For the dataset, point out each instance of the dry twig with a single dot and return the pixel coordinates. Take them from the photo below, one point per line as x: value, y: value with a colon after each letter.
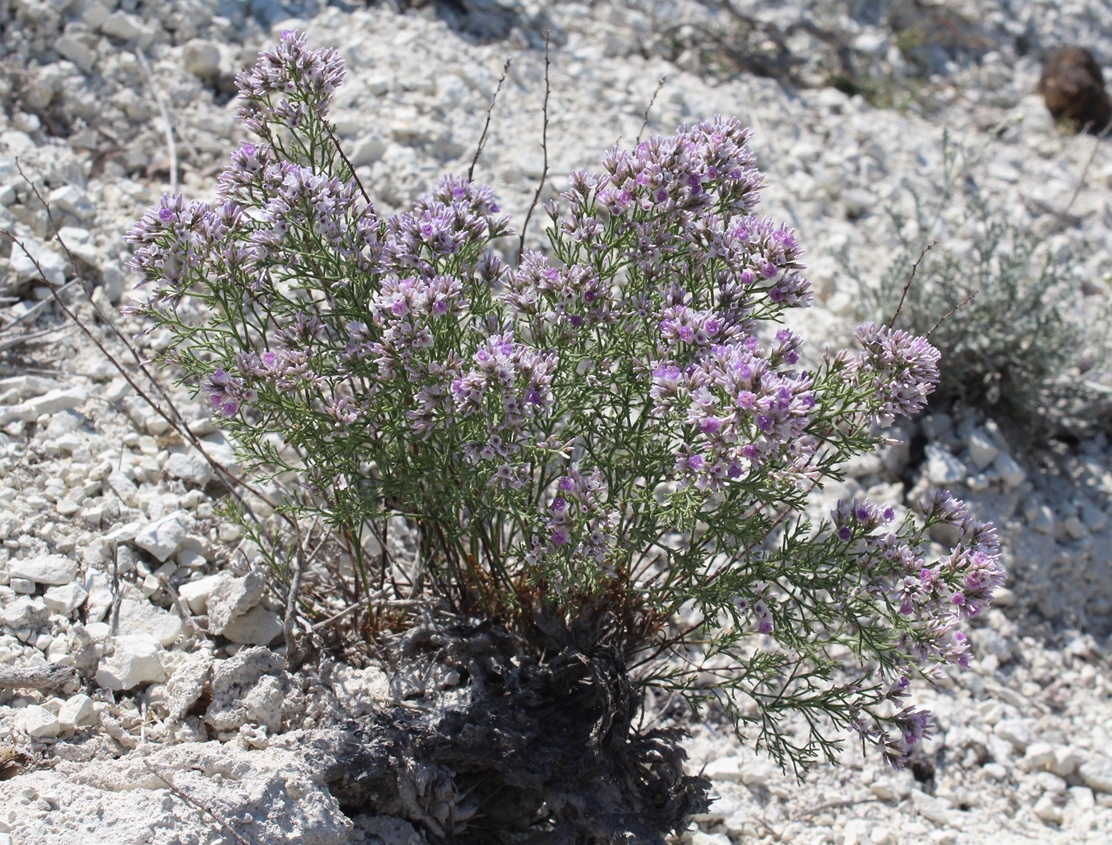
x: 907, y: 284
x: 171, y: 147
x: 544, y: 150
x: 648, y: 108
x: 486, y: 125
x: 193, y: 802
x: 50, y: 676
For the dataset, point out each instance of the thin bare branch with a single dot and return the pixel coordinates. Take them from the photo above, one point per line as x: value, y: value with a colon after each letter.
x: 952, y: 311
x: 351, y: 168
x: 168, y: 127
x: 544, y: 149
x: 1085, y: 170
x: 486, y: 125
x: 648, y: 108
x: 193, y: 802
x: 907, y: 284
x: 34, y: 310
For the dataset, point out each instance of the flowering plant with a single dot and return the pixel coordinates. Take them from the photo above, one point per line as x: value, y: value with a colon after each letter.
x: 611, y: 445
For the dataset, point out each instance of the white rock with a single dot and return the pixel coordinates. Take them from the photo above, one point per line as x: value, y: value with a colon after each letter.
x: 46, y: 569
x: 135, y: 659
x: 23, y: 585
x: 123, y: 26
x: 165, y: 536
x: 65, y: 599
x: 982, y: 451
x: 1082, y: 797
x: 943, y: 467
x: 189, y: 466
x: 1047, y: 809
x: 231, y: 598
x: 1097, y: 774
x: 257, y: 626
x: 1040, y: 755
x: 24, y: 612
x: 51, y: 265
x: 724, y: 769
x: 202, y: 59
x: 187, y: 683
x: 76, y: 51
x: 1015, y: 731
x: 100, y: 597
x: 272, y: 796
x: 1039, y: 517
x: 77, y: 710
x: 38, y: 722
x: 196, y: 593
x: 1011, y: 473
x: 933, y: 808
x: 366, y: 150
x: 1066, y: 761
x: 123, y: 487
x: 72, y: 200
x: 141, y: 617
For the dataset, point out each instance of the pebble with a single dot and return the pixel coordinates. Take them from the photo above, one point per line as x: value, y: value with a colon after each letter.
x: 943, y: 467
x: 189, y: 466
x: 25, y: 613
x: 258, y: 626
x: 142, y: 617
x: 165, y: 536
x: 982, y: 450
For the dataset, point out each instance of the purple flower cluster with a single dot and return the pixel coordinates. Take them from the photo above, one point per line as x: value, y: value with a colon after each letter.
x: 933, y: 599
x: 579, y: 526
x: 899, y: 369
x: 510, y: 384
x: 742, y: 413
x: 557, y: 301
x: 758, y: 606
x: 227, y: 393
x: 172, y: 242
x: 288, y: 84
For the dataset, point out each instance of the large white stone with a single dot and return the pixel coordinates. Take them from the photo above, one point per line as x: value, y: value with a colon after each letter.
x: 25, y: 612
x: 72, y: 200
x: 135, y: 659
x: 45, y: 569
x: 189, y: 466
x: 165, y: 536
x: 982, y: 451
x: 32, y: 261
x: 202, y: 59
x: 77, y: 710
x: 258, y: 626
x: 943, y: 467
x: 196, y: 593
x: 65, y: 599
x: 232, y: 598
x: 1015, y: 731
x: 141, y: 617
x: 38, y: 722
x: 1097, y: 774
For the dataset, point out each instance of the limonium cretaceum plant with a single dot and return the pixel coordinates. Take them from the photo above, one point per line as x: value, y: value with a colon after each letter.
x: 620, y: 428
